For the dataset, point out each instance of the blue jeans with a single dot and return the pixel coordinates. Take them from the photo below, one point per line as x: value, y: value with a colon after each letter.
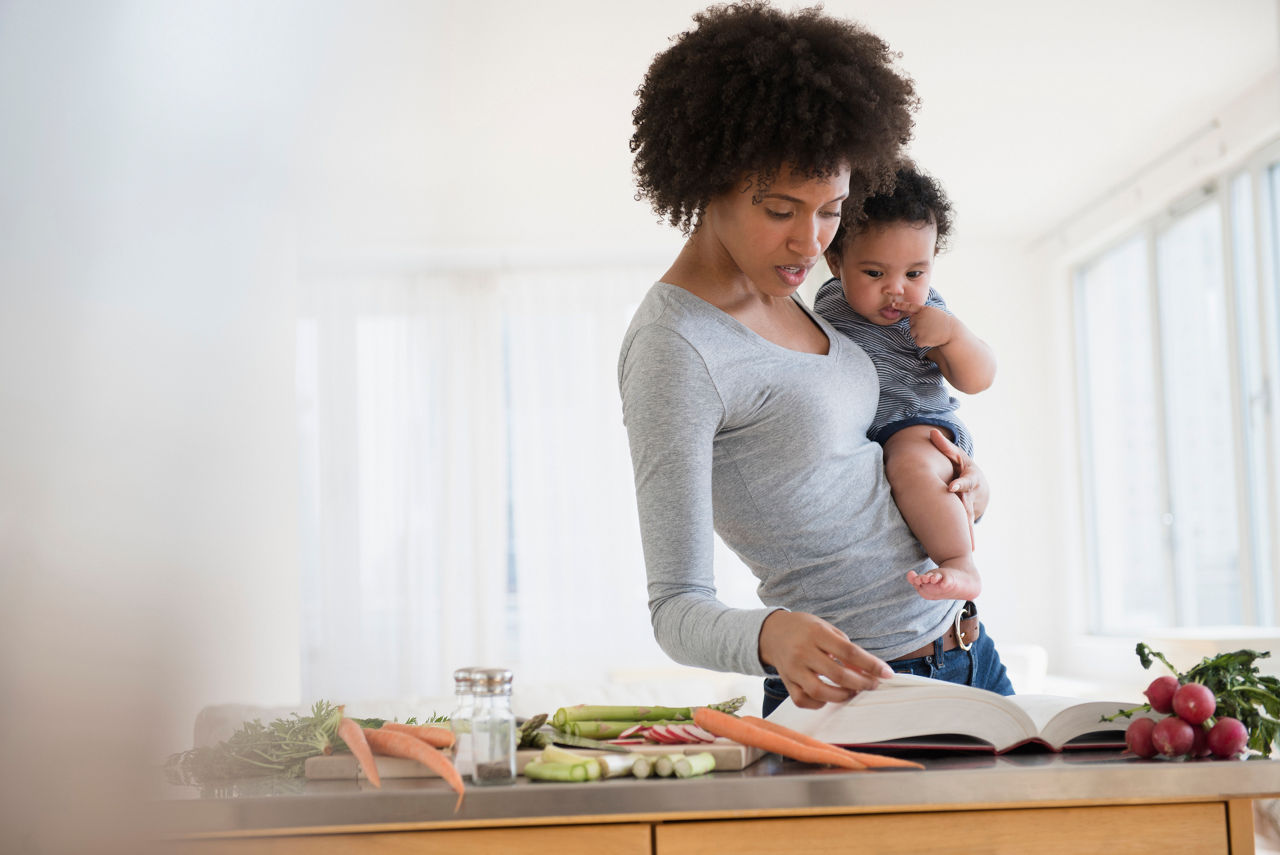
x: 978, y: 666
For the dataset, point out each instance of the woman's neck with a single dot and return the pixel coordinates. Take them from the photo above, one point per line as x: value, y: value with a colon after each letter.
x: 707, y: 271
x: 776, y: 318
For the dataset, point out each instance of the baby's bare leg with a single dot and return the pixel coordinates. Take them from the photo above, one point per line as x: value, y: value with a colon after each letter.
x: 918, y: 474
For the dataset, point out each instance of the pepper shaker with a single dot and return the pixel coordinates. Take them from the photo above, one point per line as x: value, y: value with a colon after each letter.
x: 493, y: 728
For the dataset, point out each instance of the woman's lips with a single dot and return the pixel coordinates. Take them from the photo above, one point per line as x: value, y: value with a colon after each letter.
x: 792, y: 274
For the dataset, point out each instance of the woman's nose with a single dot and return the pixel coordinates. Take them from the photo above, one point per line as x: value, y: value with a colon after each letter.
x: 807, y: 238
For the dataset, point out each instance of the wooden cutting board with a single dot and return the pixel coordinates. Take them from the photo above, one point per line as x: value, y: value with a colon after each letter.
x: 730, y: 757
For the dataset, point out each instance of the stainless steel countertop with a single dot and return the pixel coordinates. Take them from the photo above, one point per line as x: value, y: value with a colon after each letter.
x: 772, y: 785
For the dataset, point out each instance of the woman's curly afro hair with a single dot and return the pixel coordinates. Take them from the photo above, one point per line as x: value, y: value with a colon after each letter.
x: 914, y: 198
x: 752, y: 89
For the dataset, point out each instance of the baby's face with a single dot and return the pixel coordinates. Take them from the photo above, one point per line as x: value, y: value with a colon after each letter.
x: 884, y: 264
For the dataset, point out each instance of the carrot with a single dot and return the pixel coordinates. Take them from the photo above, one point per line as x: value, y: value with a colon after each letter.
x: 353, y: 735
x: 871, y: 761
x: 397, y: 744
x: 749, y: 733
x: 439, y: 737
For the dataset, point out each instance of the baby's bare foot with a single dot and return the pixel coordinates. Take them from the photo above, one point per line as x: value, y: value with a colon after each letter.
x: 948, y: 582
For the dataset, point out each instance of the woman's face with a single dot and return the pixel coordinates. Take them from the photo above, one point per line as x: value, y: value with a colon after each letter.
x: 776, y: 242
x: 884, y: 264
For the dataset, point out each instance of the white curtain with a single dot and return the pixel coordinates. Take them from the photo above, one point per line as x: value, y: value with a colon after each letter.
x: 465, y: 483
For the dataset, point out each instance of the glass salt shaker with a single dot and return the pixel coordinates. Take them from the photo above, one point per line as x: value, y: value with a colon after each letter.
x: 493, y: 728
x: 460, y: 722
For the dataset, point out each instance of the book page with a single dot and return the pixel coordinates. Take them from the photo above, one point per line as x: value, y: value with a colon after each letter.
x: 1085, y: 717
x: 1042, y: 708
x: 905, y: 706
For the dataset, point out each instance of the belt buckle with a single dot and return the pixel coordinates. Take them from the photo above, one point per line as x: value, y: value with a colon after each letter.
x: 964, y: 645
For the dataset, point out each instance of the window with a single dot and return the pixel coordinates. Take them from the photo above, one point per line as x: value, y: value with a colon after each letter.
x: 465, y: 480
x: 1177, y: 349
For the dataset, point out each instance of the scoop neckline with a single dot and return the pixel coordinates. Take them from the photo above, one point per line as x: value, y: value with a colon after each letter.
x: 748, y: 333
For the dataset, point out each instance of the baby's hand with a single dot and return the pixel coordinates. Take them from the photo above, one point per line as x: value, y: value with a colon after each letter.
x: 930, y: 326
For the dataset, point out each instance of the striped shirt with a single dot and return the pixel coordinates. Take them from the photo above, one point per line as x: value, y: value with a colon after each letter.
x: 911, y: 385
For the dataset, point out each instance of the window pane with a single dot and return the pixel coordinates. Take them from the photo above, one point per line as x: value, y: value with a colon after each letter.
x: 1124, y: 495
x: 1253, y: 389
x: 1198, y: 424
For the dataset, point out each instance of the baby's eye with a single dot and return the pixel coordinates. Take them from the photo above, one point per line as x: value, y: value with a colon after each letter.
x: 915, y: 274
x: 872, y: 274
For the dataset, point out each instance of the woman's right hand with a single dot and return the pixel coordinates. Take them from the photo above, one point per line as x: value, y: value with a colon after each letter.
x: 804, y: 648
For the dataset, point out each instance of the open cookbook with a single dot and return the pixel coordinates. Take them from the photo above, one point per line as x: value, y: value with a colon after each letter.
x: 910, y: 712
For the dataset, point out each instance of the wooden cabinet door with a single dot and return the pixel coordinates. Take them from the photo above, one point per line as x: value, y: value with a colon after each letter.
x: 1176, y: 829
x: 623, y: 839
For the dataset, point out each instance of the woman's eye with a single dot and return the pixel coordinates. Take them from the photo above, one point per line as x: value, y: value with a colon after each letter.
x: 778, y: 215
x: 835, y: 215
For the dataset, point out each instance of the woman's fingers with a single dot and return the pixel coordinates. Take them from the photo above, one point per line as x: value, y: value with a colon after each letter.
x: 949, y: 449
x: 963, y: 481
x: 817, y: 662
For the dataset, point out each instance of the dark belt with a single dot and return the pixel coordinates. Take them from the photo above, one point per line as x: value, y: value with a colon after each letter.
x: 963, y: 633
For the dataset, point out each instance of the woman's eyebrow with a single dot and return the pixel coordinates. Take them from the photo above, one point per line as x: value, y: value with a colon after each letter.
x: 784, y: 197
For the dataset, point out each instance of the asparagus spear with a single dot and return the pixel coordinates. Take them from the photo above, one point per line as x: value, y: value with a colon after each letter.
x: 589, y: 712
x: 577, y: 741
x: 596, y: 729
x: 688, y: 765
x: 555, y: 754
x: 665, y: 766
x: 540, y: 770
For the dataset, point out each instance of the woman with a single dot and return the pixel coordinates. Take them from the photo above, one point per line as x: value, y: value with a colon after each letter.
x: 746, y: 413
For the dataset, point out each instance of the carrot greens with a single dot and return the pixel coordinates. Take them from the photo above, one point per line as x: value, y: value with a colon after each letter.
x: 279, y: 748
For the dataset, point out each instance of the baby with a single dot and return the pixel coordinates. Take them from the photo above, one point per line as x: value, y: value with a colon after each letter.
x: 882, y: 299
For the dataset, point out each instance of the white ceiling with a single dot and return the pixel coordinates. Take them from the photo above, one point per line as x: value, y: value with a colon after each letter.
x: 503, y: 124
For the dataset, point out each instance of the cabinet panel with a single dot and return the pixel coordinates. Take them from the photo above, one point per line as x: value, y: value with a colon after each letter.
x: 628, y: 839
x: 1190, y: 829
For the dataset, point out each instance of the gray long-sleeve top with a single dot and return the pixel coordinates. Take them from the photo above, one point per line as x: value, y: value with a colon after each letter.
x: 767, y: 446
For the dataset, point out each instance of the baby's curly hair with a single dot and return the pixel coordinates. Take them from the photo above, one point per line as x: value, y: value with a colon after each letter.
x: 914, y: 198
x: 751, y: 89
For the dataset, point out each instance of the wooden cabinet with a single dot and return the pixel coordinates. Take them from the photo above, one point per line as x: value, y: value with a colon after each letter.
x: 1197, y: 828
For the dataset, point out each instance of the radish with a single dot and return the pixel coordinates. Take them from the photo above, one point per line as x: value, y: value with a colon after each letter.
x: 1194, y: 703
x: 1172, y: 737
x: 636, y: 730
x: 1228, y: 737
x: 658, y: 733
x: 1160, y: 693
x: 1199, y: 741
x: 700, y: 734
x: 1137, y: 736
